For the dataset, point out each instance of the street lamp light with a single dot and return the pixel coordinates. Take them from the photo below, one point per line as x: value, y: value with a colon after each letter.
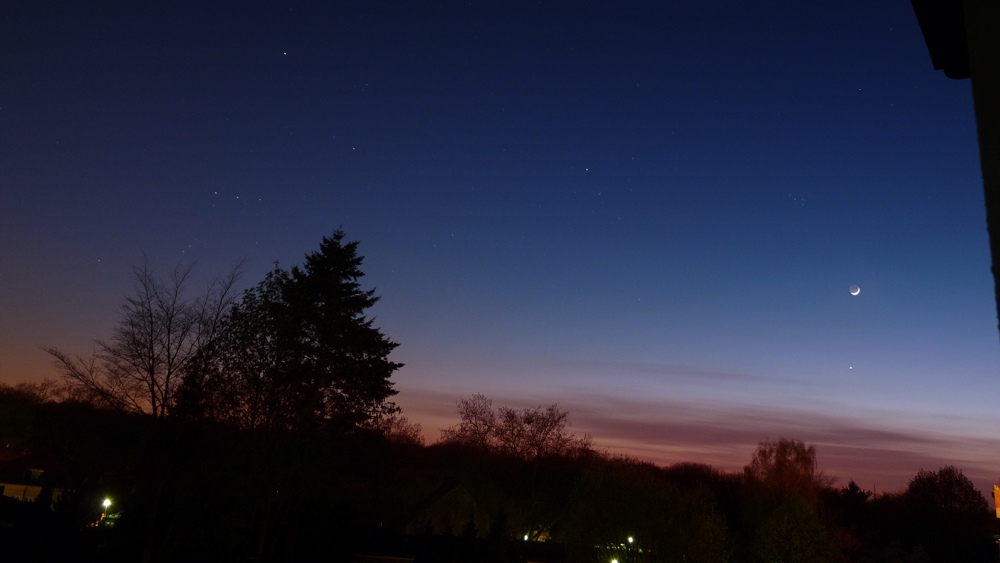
x: 105, y: 504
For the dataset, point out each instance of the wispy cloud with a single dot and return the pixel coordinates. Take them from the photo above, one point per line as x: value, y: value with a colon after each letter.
x: 660, y: 370
x: 863, y: 448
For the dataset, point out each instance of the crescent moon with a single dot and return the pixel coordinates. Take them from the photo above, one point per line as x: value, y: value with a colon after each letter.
x: 855, y: 290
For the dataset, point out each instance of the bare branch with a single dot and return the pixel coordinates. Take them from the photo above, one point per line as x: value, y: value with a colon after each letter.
x: 525, y: 433
x: 159, y: 331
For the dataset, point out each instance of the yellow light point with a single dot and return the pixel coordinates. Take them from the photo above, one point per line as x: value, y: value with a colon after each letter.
x: 630, y: 539
x: 106, y: 503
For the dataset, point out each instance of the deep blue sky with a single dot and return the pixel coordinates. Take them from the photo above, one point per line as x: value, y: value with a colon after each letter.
x: 650, y: 213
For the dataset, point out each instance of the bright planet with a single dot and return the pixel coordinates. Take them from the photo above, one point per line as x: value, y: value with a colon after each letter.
x: 855, y: 290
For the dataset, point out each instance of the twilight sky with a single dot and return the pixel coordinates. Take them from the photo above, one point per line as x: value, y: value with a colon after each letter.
x: 648, y: 212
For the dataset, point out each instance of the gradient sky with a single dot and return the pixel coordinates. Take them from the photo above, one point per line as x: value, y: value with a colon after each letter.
x: 648, y: 212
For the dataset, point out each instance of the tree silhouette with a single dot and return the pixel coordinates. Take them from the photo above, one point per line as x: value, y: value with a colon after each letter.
x: 948, y: 516
x: 398, y: 429
x: 526, y: 433
x: 945, y: 489
x: 785, y: 468
x: 160, y: 329
x: 298, y: 351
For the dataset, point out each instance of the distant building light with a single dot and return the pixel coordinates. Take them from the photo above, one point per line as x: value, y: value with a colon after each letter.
x: 996, y: 499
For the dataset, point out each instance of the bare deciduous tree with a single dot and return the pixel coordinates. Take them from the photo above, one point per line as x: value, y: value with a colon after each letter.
x: 159, y: 330
x: 397, y: 428
x: 786, y: 468
x: 526, y: 433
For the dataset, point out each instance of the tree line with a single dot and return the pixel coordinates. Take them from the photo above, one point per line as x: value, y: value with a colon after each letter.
x: 193, y: 490
x: 258, y: 426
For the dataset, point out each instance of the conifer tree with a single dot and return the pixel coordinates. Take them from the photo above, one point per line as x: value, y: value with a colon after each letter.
x: 298, y: 350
